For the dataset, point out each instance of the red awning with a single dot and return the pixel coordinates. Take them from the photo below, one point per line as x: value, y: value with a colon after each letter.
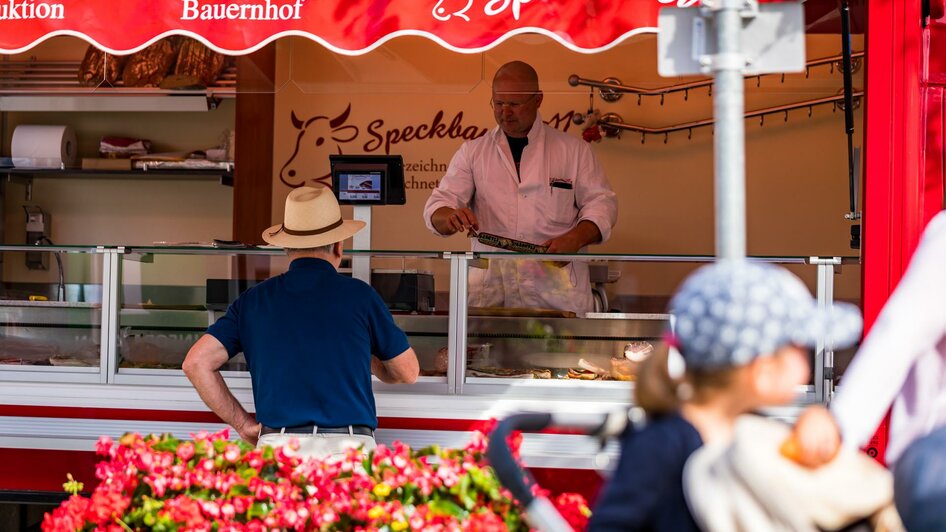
x: 344, y: 26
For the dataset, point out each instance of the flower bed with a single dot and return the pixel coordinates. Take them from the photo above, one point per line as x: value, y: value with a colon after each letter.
x: 161, y: 483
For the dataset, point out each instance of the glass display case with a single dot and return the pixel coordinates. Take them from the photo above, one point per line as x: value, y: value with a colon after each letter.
x: 129, y: 315
x: 51, y: 311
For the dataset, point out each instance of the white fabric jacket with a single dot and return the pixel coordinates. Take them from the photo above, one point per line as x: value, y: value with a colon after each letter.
x: 902, y: 362
x: 482, y: 176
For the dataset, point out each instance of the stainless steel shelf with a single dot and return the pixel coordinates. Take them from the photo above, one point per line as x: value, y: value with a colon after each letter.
x: 224, y: 177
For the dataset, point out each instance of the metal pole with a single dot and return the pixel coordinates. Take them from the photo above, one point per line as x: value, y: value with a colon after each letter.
x: 729, y: 141
x: 361, y: 264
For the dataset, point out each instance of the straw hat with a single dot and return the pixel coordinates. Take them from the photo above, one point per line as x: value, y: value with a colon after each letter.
x: 312, y: 219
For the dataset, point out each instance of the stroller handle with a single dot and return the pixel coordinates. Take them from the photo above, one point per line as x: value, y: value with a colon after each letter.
x: 540, y: 512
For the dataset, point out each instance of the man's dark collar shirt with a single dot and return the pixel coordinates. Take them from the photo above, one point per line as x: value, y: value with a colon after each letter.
x: 308, y: 336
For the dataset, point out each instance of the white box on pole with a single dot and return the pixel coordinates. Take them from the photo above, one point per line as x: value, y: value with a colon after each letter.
x: 773, y: 40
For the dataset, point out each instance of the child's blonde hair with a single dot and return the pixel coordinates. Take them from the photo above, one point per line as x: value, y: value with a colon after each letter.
x: 658, y: 393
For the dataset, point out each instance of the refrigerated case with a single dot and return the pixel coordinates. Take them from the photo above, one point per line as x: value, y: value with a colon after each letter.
x: 107, y: 359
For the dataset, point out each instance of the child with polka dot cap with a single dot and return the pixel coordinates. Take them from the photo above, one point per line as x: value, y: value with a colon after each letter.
x: 740, y: 342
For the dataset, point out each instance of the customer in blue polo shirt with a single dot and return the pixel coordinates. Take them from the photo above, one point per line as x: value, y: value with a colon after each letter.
x: 311, y: 338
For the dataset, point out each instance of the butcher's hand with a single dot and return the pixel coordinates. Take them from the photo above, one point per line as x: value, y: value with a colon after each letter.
x: 581, y: 235
x: 448, y: 221
x: 567, y: 243
x: 816, y: 437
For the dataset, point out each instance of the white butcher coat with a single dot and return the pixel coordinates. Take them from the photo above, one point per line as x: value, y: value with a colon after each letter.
x: 482, y: 176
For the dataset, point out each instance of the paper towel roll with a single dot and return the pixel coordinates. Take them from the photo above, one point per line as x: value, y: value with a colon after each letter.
x: 43, y: 146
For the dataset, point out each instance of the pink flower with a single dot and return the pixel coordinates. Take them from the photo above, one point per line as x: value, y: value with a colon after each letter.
x: 231, y: 453
x: 215, y: 483
x: 103, y: 446
x: 185, y: 451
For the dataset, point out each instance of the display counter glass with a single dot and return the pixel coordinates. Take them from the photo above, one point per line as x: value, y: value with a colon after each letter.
x: 129, y: 315
x: 51, y: 313
x: 585, y: 322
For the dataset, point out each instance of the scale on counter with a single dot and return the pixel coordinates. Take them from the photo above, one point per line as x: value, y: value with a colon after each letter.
x: 364, y: 181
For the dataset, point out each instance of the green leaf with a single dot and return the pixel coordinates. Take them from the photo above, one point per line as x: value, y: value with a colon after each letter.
x: 467, y: 495
x: 269, y: 454
x: 258, y: 509
x: 446, y: 507
x: 239, y: 490
x: 167, y: 444
x: 269, y: 472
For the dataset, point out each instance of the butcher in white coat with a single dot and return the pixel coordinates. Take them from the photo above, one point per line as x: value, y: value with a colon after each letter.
x: 527, y: 181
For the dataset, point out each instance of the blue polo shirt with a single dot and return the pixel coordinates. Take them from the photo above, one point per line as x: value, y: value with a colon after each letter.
x: 308, y: 336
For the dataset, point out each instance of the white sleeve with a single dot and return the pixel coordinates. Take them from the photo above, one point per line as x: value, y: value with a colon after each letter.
x: 456, y: 188
x: 596, y: 200
x: 911, y: 323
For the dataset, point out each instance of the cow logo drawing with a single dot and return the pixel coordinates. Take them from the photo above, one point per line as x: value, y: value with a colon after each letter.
x: 320, y: 133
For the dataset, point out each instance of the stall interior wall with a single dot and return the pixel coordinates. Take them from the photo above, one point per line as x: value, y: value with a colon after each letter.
x: 391, y: 99
x: 381, y: 103
x: 133, y: 211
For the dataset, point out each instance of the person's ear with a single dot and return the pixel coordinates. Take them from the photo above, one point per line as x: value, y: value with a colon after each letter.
x: 538, y: 98
x: 337, y: 249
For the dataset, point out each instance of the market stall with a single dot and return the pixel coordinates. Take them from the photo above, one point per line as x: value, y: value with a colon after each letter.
x: 52, y: 412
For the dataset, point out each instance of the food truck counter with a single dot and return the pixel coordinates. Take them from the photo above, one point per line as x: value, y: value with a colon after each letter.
x: 107, y: 360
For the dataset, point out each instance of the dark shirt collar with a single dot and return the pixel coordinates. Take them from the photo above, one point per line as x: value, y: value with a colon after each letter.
x: 311, y: 263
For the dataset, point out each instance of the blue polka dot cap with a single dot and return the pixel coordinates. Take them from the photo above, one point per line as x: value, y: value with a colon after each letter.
x: 732, y: 311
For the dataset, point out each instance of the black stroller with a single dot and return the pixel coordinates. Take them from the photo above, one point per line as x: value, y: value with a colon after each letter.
x: 540, y: 512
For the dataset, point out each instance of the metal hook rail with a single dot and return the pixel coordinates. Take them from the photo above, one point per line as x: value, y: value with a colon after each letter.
x: 574, y: 80
x: 613, y: 120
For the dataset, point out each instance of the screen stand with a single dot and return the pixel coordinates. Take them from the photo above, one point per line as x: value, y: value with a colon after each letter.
x: 361, y: 263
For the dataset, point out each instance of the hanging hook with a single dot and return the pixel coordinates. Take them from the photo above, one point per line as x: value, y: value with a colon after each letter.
x: 761, y: 120
x: 661, y: 99
x: 783, y: 77
x: 807, y: 72
x: 786, y: 116
x: 809, y: 111
x: 689, y: 133
x: 686, y: 94
x: 643, y: 136
x: 639, y: 99
x: 832, y: 67
x: 758, y: 81
x: 711, y: 90
x: 666, y: 137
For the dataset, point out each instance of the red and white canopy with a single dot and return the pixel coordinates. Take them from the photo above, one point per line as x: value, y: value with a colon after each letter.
x: 345, y: 26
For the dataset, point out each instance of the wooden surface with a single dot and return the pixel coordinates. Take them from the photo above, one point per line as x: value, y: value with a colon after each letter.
x: 253, y: 177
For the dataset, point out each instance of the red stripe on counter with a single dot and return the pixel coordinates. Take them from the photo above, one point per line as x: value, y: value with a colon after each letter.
x: 109, y: 413
x: 189, y: 416
x: 45, y: 470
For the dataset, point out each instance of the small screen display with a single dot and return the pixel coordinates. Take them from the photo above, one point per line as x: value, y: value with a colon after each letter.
x: 359, y: 186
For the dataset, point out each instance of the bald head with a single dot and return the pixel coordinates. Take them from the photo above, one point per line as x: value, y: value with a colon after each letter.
x: 520, y: 74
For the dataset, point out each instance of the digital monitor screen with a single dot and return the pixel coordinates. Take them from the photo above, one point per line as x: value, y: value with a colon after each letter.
x: 359, y: 186
x: 368, y: 179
